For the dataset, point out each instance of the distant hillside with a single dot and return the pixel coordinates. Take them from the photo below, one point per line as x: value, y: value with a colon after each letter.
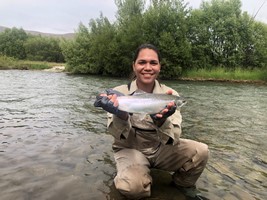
x: 66, y: 35
x: 2, y: 28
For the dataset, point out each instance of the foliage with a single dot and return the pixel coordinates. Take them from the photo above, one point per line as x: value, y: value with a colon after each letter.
x: 18, y: 44
x: 76, y: 52
x: 129, y: 34
x: 216, y: 35
x: 11, y: 43
x: 102, y: 47
x: 223, y: 36
x: 165, y: 26
x: 111, y: 46
x: 43, y: 49
x: 6, y: 62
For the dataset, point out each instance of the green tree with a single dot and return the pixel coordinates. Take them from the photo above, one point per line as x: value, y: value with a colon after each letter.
x: 165, y: 25
x: 11, y: 43
x: 76, y: 51
x: 199, y: 40
x: 216, y: 35
x: 253, y: 44
x: 216, y: 31
x: 40, y: 48
x: 130, y: 33
x: 260, y: 52
x: 102, y: 48
x: 105, y: 48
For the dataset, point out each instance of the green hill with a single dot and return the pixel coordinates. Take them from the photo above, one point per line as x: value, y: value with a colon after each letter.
x: 66, y: 35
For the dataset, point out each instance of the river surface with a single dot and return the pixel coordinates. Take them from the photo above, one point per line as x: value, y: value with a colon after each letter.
x: 54, y: 143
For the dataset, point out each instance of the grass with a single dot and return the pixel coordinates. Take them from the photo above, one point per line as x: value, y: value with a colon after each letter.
x: 11, y: 63
x: 223, y: 74
x: 216, y: 74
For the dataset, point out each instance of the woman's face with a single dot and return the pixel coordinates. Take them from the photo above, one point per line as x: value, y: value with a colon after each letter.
x: 146, y: 66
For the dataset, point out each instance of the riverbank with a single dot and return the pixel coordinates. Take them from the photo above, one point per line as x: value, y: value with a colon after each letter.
x: 7, y: 63
x: 57, y: 68
x: 237, y: 75
x: 224, y: 80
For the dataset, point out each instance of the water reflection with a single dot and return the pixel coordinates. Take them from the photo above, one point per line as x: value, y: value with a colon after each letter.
x: 54, y: 143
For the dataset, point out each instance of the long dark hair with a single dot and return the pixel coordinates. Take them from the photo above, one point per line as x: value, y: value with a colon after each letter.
x: 137, y: 51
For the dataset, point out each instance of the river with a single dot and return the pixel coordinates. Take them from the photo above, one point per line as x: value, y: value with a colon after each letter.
x: 54, y: 143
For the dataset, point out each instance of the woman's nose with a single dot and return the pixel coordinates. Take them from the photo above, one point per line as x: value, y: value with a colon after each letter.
x: 148, y: 66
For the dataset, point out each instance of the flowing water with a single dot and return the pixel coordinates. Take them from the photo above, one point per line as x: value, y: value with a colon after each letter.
x: 54, y: 144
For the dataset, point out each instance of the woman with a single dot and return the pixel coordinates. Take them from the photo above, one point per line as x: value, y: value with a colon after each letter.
x: 153, y: 141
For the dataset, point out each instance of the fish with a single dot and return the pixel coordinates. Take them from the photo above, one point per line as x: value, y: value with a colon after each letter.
x: 148, y: 103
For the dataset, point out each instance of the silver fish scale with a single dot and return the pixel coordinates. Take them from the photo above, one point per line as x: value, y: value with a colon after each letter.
x: 145, y: 103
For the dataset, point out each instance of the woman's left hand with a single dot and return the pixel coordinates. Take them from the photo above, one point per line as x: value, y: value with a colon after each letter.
x: 165, y: 113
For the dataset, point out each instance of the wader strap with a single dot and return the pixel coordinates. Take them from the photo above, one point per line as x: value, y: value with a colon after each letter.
x: 129, y: 86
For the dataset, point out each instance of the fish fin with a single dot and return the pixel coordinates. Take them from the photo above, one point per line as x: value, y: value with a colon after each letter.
x: 137, y: 92
x: 111, y: 92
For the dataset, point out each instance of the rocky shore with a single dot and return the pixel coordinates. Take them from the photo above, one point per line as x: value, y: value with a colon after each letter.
x: 56, y: 69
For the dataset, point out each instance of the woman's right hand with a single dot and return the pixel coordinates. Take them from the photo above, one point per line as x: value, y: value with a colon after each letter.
x: 110, y: 104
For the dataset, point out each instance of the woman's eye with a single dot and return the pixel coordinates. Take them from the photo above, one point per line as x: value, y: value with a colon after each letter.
x: 142, y: 62
x: 153, y: 63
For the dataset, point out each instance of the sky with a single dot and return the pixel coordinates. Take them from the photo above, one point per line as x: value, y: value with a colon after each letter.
x: 64, y: 16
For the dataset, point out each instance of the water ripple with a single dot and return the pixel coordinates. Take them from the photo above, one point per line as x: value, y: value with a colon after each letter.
x: 54, y: 143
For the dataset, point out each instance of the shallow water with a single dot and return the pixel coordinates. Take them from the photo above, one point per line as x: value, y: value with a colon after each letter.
x: 54, y: 144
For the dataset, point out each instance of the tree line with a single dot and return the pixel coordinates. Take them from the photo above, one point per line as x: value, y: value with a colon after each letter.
x: 18, y: 44
x: 217, y: 35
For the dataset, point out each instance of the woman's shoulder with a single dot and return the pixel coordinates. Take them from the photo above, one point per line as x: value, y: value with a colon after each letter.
x: 122, y: 88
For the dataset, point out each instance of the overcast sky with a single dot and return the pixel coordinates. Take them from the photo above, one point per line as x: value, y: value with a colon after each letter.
x: 64, y: 16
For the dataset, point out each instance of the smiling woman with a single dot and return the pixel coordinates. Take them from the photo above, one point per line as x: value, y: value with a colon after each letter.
x: 142, y: 143
x: 146, y: 67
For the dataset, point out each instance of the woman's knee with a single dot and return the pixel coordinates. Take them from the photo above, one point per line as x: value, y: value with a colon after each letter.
x: 134, y: 182
x: 196, y: 156
x: 203, y: 152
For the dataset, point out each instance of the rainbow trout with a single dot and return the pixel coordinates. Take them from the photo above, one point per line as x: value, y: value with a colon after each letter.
x: 147, y: 103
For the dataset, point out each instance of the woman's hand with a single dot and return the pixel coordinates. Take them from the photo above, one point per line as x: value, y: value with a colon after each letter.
x: 110, y: 104
x: 160, y: 117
